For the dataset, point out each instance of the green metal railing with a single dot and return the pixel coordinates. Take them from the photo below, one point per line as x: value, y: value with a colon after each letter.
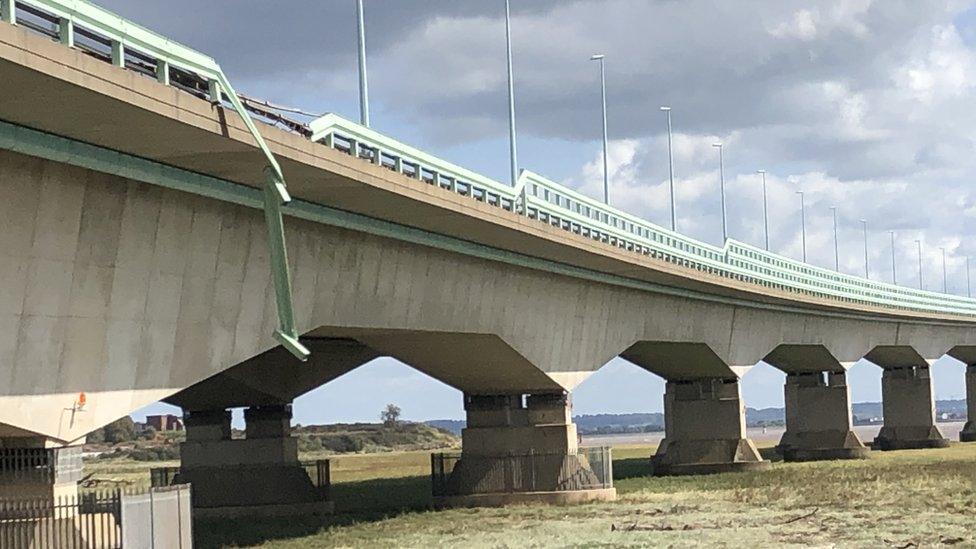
x: 549, y: 202
x: 80, y: 24
x: 87, y: 27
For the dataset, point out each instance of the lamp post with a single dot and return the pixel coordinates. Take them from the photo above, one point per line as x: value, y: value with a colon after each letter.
x: 513, y: 152
x: 945, y: 278
x: 833, y: 209
x: 765, y: 211
x: 969, y: 288
x: 674, y: 222
x: 919, y: 244
x: 603, y: 95
x: 721, y: 180
x: 864, y: 224
x: 803, y: 226
x: 894, y: 275
x: 363, y: 86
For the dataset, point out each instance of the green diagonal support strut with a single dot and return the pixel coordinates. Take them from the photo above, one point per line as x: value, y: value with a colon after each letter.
x: 275, y: 196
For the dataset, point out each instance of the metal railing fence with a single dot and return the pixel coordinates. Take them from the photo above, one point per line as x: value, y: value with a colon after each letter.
x: 589, y: 468
x: 559, y: 206
x: 86, y: 521
x: 40, y: 465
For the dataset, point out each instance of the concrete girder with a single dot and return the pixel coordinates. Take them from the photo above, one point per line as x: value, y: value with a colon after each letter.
x: 799, y: 359
x: 274, y: 377
x: 473, y: 363
x: 898, y: 356
x: 682, y: 361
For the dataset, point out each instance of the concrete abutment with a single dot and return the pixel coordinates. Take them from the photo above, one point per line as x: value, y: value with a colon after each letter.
x: 705, y: 430
x: 818, y: 418
x: 523, y: 448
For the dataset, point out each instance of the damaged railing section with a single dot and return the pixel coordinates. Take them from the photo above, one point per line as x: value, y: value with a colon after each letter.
x: 102, y: 34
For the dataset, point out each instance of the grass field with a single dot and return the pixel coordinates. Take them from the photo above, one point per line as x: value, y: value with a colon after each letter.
x: 894, y: 499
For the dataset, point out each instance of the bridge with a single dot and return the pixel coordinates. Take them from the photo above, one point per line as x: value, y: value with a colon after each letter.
x: 157, y: 243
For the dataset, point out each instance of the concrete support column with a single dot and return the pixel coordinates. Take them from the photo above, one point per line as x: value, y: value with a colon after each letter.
x: 705, y: 429
x: 257, y: 475
x: 909, y: 410
x: 522, y: 448
x: 968, y: 433
x: 818, y: 418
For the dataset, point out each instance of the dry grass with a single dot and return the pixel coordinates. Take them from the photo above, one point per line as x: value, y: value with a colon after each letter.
x: 893, y: 499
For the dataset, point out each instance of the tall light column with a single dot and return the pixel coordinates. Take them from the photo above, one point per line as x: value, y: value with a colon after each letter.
x: 603, y: 95
x: 945, y: 278
x: 765, y: 211
x: 969, y: 288
x: 721, y: 182
x: 919, y: 244
x: 803, y: 226
x: 513, y: 152
x: 836, y: 255
x: 864, y: 224
x: 363, y: 86
x: 674, y: 221
x: 894, y: 274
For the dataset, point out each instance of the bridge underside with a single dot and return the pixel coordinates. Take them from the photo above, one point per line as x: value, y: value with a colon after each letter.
x: 129, y: 289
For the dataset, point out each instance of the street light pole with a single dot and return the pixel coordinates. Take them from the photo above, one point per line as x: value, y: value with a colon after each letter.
x: 969, y: 288
x: 674, y: 221
x: 513, y: 152
x: 803, y: 226
x: 603, y: 95
x: 363, y: 86
x: 894, y: 275
x: 864, y: 224
x: 945, y: 278
x: 765, y: 211
x: 919, y: 244
x: 836, y: 255
x: 721, y: 176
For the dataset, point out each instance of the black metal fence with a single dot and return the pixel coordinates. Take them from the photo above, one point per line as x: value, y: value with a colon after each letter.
x: 318, y: 471
x: 86, y: 521
x: 588, y: 469
x: 40, y: 465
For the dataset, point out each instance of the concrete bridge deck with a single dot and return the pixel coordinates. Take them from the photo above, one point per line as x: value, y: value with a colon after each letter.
x: 134, y: 268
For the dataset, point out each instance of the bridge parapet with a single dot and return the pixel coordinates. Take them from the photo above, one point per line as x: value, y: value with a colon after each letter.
x: 557, y: 205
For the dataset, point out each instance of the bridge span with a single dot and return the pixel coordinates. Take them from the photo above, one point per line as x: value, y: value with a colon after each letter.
x: 141, y: 260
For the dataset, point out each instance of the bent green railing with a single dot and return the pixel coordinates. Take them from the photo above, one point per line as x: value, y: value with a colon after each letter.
x: 101, y: 33
x: 549, y: 202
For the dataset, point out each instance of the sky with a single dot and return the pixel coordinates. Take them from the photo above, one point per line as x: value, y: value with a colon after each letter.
x: 865, y: 105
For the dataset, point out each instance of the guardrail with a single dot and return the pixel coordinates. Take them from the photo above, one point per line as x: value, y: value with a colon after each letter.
x: 98, y: 32
x: 557, y: 205
x: 102, y: 34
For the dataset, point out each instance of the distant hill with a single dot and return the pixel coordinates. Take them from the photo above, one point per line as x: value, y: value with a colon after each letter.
x: 587, y: 424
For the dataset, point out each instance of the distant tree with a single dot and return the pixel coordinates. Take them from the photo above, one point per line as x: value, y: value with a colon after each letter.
x: 121, y: 430
x: 391, y: 415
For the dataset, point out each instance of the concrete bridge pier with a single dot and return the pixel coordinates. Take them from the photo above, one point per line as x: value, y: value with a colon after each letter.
x: 818, y: 405
x: 257, y: 475
x: 704, y: 417
x: 524, y: 448
x: 967, y: 355
x: 908, y: 401
x: 704, y: 430
x: 968, y: 433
